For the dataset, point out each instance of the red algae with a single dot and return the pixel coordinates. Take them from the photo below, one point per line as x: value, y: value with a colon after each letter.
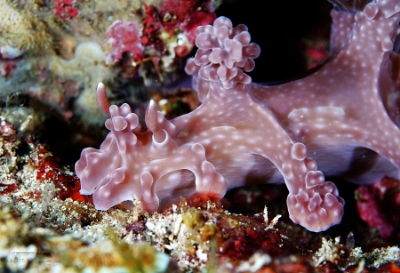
x: 8, y: 188
x: 49, y: 168
x: 373, y: 201
x: 64, y: 9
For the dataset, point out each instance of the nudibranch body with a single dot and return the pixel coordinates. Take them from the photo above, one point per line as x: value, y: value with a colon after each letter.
x: 244, y: 133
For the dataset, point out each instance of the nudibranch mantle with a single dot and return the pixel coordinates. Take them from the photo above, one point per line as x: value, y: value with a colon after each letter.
x: 342, y: 118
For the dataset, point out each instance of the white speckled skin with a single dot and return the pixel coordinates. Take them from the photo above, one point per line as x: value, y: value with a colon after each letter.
x: 245, y: 133
x: 352, y: 101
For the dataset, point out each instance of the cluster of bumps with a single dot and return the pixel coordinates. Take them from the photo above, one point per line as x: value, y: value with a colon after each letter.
x: 223, y: 53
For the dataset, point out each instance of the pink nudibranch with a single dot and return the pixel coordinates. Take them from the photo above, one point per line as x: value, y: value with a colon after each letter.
x: 341, y: 120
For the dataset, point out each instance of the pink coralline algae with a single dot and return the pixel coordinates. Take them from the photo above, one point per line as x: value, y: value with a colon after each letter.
x: 343, y: 117
x: 124, y: 37
x: 166, y: 36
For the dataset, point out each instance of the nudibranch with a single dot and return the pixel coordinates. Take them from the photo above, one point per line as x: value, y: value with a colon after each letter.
x: 342, y: 118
